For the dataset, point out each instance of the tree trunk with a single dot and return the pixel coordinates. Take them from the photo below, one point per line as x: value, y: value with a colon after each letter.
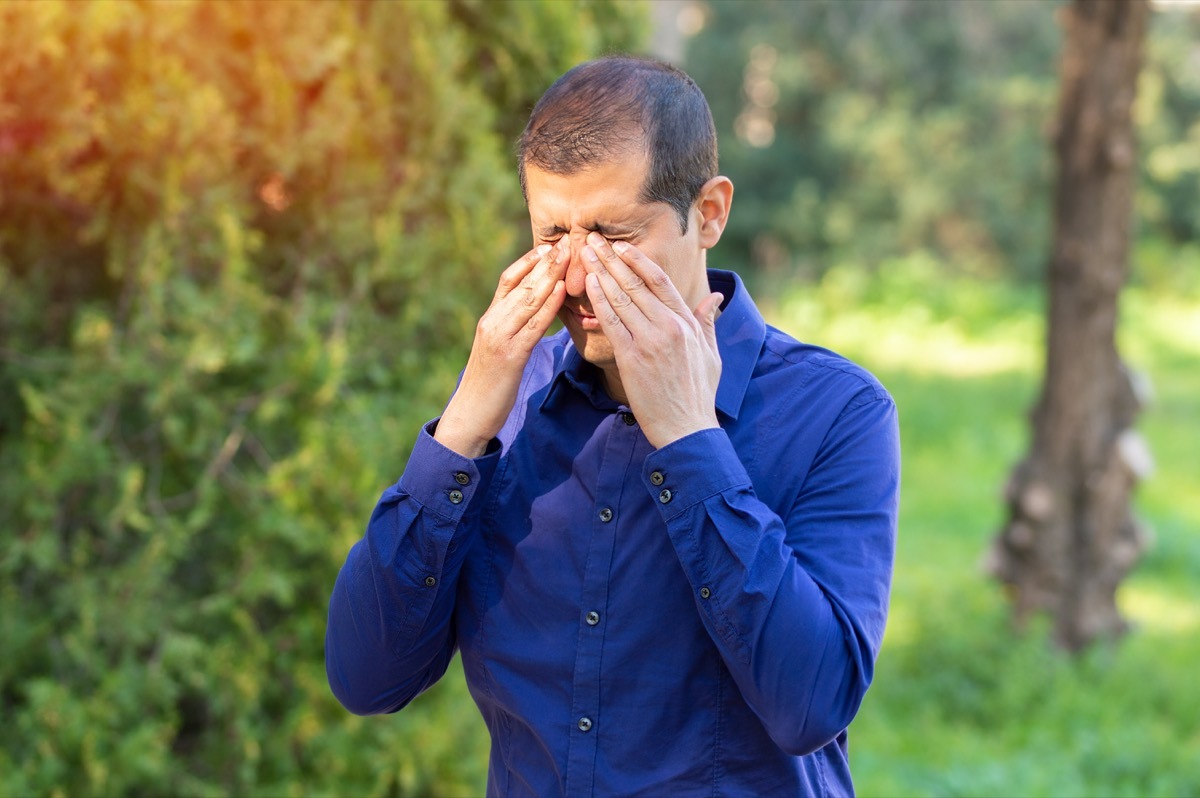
x: 1071, y: 535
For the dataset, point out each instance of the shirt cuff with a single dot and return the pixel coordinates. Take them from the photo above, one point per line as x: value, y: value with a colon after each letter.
x: 692, y: 469
x: 444, y: 481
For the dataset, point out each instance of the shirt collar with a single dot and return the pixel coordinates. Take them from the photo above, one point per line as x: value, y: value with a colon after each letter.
x: 741, y: 331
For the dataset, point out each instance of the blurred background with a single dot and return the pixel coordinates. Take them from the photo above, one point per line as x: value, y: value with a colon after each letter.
x: 243, y: 246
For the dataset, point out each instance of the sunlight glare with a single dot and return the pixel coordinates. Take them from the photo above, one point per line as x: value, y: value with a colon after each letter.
x: 1159, y: 611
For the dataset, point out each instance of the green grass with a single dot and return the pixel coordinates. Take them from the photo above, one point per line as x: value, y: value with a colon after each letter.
x: 964, y: 705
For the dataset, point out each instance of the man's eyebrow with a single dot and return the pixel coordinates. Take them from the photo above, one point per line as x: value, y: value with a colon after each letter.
x: 612, y: 231
x: 606, y: 230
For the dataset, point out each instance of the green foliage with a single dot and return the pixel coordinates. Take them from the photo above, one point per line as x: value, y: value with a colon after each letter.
x: 963, y: 704
x: 860, y: 131
x: 242, y: 249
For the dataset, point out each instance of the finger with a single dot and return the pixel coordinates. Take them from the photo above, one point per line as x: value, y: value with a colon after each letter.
x: 532, y: 268
x: 616, y: 298
x: 511, y: 277
x: 544, y: 316
x: 610, y: 320
x: 633, y: 268
x: 553, y: 265
x: 522, y: 301
x: 553, y: 269
x: 706, y: 314
x: 623, y: 287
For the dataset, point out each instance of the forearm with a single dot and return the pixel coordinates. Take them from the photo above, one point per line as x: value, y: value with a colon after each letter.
x: 387, y: 639
x: 390, y: 631
x: 795, y: 600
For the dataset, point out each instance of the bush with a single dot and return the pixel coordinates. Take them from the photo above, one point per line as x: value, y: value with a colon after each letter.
x: 242, y: 248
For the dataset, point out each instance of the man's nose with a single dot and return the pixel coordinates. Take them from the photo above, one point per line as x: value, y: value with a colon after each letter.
x: 575, y: 272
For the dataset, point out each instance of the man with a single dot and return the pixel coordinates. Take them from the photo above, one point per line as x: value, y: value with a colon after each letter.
x: 662, y: 538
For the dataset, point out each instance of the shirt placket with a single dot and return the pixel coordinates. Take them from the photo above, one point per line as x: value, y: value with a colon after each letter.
x: 587, y: 722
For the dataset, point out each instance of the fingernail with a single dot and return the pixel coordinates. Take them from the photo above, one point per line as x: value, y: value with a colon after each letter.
x: 620, y: 246
x: 590, y: 254
x: 543, y: 249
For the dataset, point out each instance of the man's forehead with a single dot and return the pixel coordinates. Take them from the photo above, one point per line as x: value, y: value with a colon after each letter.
x: 623, y: 221
x: 607, y: 201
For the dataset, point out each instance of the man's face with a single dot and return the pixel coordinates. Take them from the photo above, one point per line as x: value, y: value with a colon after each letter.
x: 604, y: 198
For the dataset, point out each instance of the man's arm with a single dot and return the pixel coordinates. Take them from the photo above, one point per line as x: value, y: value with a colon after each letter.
x: 390, y: 634
x: 795, y: 603
x: 524, y: 306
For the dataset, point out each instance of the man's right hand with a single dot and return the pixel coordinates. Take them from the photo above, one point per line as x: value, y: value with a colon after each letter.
x: 526, y: 301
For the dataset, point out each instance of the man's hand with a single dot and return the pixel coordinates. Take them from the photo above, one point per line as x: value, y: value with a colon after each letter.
x: 666, y: 352
x: 529, y: 295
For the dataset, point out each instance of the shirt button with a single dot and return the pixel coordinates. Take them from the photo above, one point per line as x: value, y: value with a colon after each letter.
x: 665, y: 496
x: 593, y: 618
x: 628, y: 418
x: 430, y: 581
x: 606, y: 515
x: 585, y: 724
x: 656, y: 478
x: 705, y: 592
x: 456, y: 497
x: 462, y: 478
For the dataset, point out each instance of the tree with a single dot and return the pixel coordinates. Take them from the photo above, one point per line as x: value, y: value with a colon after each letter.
x: 242, y: 249
x: 1071, y: 535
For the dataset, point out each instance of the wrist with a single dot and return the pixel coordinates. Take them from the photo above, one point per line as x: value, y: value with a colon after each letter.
x: 660, y: 438
x: 459, y: 438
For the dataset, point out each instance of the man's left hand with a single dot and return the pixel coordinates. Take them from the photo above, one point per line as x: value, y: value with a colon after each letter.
x: 666, y: 352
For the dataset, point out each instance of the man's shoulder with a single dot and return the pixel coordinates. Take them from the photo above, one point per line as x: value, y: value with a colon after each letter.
x: 810, y: 367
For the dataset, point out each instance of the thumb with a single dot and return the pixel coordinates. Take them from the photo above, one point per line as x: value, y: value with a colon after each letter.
x: 706, y: 313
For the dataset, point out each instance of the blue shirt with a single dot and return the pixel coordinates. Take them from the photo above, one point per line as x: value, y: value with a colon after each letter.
x: 700, y: 619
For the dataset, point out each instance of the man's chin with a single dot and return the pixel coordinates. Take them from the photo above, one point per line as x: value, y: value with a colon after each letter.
x: 593, y: 346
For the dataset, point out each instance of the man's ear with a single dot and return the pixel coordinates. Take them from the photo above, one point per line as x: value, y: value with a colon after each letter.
x: 712, y: 210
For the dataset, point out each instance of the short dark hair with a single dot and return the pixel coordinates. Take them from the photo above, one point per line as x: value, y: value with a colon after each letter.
x: 612, y: 106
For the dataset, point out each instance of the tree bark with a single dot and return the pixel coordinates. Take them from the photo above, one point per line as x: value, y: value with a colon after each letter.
x: 1071, y: 535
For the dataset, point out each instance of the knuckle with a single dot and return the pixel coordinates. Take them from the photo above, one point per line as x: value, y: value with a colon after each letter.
x: 509, y: 279
x: 484, y: 328
x: 675, y: 333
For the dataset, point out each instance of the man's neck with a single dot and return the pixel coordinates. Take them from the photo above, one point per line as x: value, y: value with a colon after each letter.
x: 612, y: 385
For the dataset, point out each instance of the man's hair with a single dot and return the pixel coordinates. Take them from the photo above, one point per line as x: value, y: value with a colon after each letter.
x: 618, y: 106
